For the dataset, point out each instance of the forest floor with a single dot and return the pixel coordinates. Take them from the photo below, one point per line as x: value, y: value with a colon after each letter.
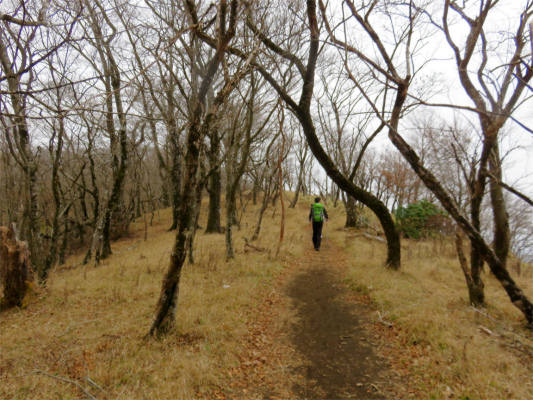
x: 312, y: 337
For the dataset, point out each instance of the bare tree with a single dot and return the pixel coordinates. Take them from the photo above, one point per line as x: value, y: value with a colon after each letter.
x: 497, y: 95
x: 345, y: 124
x: 401, y: 81
x: 302, y: 151
x: 199, y: 125
x: 23, y: 48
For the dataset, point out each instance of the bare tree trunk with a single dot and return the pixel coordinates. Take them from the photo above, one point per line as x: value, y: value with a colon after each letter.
x: 119, y: 171
x: 175, y: 176
x: 215, y: 186
x: 119, y: 154
x: 96, y: 197
x: 51, y: 257
x: 300, y: 185
x: 475, y: 287
x: 236, y: 168
x: 294, y: 200
x: 351, y: 212
x: 281, y: 119
x: 255, y: 190
x: 196, y: 212
x: 64, y: 241
x: 167, y: 303
x: 264, y: 205
x: 230, y: 215
x: 502, y: 234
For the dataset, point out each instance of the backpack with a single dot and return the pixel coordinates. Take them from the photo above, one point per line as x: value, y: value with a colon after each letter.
x: 318, y: 212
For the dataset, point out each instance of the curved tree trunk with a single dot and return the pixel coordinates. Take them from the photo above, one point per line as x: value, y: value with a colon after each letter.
x: 303, y: 113
x: 368, y: 199
x: 517, y: 296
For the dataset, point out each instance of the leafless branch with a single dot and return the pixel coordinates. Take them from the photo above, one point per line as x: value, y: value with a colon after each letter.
x: 73, y: 325
x: 59, y: 378
x: 502, y: 325
x: 513, y: 190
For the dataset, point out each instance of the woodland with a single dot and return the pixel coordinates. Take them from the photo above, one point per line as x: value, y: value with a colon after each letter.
x: 410, y: 119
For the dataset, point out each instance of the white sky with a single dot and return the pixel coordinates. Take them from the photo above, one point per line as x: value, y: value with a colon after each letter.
x: 504, y: 18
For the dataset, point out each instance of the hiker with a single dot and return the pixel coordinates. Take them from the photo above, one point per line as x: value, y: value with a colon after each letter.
x: 317, y: 215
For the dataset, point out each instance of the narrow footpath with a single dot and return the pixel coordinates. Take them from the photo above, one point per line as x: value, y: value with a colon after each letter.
x: 312, y: 338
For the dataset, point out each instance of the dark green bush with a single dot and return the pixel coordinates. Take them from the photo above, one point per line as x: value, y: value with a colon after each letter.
x: 421, y: 219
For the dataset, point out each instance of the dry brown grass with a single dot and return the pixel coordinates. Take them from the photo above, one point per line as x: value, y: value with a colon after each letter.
x: 90, y: 321
x: 452, y: 356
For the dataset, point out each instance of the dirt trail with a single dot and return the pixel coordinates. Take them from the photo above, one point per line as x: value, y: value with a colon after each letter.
x: 311, y: 339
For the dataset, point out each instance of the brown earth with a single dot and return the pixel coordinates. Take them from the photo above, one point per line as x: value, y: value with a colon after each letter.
x: 311, y: 337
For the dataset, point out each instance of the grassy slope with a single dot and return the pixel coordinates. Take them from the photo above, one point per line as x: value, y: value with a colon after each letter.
x: 445, y: 345
x: 90, y: 321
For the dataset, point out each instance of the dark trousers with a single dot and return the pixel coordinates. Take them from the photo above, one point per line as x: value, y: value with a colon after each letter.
x: 317, y: 233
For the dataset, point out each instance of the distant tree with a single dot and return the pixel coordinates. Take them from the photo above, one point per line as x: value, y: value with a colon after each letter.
x: 302, y: 149
x: 347, y: 131
x: 104, y: 33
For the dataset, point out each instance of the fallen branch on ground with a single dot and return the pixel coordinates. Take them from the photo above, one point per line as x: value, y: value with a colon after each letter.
x: 88, y: 379
x: 73, y: 325
x: 504, y: 327
x: 59, y: 378
x: 248, y: 244
x: 487, y: 331
x: 382, y: 321
x: 368, y: 236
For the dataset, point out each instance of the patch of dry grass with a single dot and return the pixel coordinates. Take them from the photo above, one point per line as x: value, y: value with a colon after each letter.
x: 88, y: 325
x: 453, y: 353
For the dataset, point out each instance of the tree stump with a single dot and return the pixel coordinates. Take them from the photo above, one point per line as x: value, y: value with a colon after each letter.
x: 15, y: 270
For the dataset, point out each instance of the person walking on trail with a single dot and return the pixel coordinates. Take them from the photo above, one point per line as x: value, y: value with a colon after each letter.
x: 317, y: 215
